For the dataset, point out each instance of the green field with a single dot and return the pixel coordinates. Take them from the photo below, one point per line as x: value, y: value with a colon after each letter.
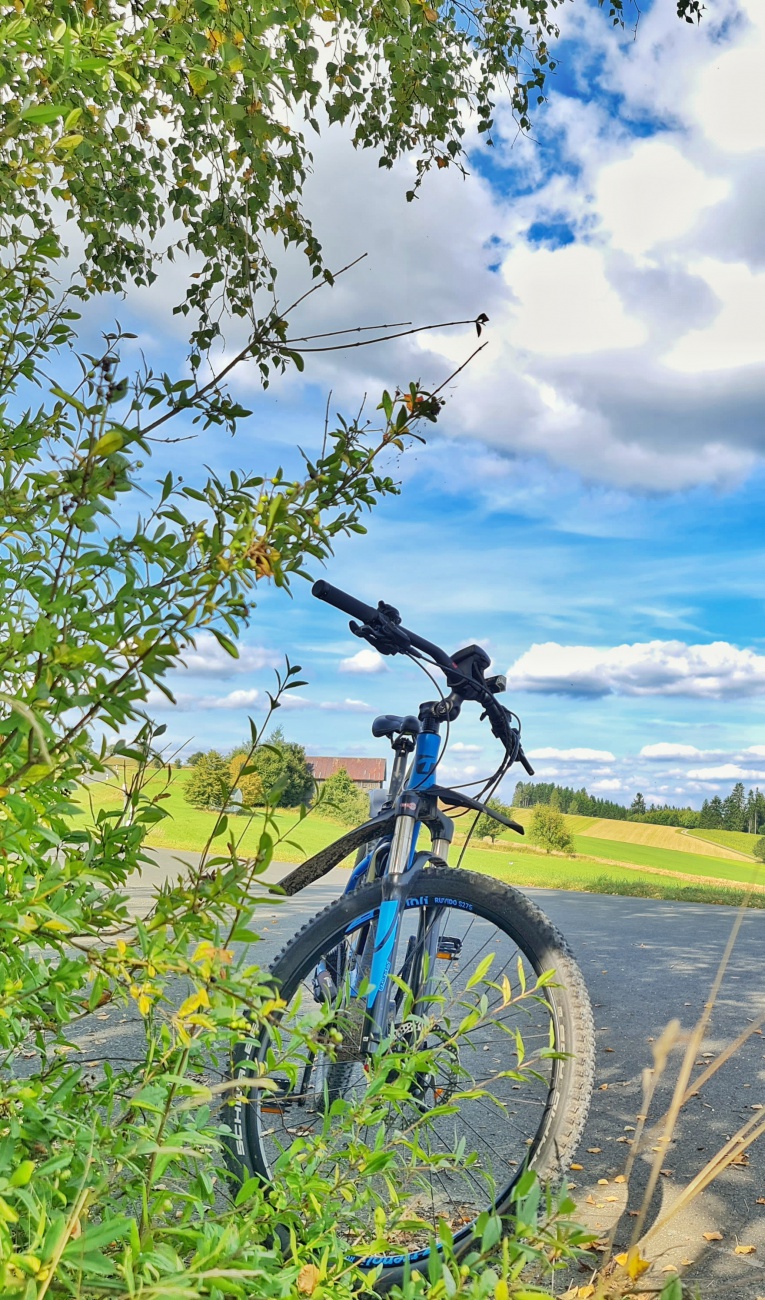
x: 729, y: 839
x: 190, y: 828
x: 645, y: 855
x: 509, y: 859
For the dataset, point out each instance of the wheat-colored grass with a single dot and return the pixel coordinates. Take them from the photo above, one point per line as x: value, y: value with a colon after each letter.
x: 659, y: 837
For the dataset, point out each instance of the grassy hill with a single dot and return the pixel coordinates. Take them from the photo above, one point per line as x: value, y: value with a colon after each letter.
x: 611, y: 857
x: 738, y: 840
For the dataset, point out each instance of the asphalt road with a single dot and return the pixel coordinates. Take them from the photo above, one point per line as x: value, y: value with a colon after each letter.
x: 645, y: 962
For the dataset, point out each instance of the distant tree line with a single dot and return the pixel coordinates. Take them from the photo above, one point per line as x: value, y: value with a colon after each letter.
x: 740, y: 811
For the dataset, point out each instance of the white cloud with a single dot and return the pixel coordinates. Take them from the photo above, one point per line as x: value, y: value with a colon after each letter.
x: 716, y: 671
x: 665, y: 750
x: 613, y: 784
x: 574, y: 755
x: 459, y: 747
x: 724, y: 772
x: 364, y: 662
x: 246, y: 699
x: 736, y: 337
x: 210, y: 659
x: 729, y: 96
x: 588, y: 316
x: 234, y: 700
x: 346, y: 706
x: 653, y: 195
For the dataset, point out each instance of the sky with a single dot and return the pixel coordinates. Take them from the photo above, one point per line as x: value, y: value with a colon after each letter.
x: 589, y: 507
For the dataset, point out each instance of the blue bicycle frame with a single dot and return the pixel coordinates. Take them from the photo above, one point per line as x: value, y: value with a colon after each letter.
x: 401, y: 857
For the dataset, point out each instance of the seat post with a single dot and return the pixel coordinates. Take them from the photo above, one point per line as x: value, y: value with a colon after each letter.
x: 402, y: 748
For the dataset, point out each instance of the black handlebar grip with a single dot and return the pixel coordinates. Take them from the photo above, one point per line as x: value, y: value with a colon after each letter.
x: 522, y: 759
x: 341, y: 600
x: 368, y: 614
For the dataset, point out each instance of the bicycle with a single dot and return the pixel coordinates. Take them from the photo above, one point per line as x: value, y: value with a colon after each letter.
x: 410, y: 950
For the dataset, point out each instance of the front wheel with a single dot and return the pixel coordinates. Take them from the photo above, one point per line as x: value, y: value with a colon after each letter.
x: 486, y: 1068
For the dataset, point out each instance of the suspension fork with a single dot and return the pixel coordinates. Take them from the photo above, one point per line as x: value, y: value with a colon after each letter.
x: 388, y: 928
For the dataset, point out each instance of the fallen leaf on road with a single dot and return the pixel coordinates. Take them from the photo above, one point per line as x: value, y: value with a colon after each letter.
x: 712, y: 1236
x: 744, y: 1250
x: 633, y: 1263
x: 742, y: 1159
x: 603, y: 1087
x: 760, y: 1200
x: 576, y: 1166
x: 620, y: 1178
x: 594, y: 1151
x: 602, y: 1182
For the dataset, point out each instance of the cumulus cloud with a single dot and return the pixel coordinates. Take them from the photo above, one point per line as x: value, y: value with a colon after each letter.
x: 665, y: 668
x: 364, y: 662
x: 210, y: 659
x: 724, y: 772
x: 622, y: 290
x: 574, y: 755
x: 665, y: 750
x: 246, y: 699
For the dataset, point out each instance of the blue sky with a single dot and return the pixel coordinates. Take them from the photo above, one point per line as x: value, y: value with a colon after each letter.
x: 590, y: 506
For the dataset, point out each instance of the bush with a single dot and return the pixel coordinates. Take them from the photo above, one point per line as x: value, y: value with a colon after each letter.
x: 244, y: 779
x: 341, y: 800
x: 486, y: 828
x: 759, y: 849
x: 209, y: 784
x: 549, y: 830
x: 283, y: 771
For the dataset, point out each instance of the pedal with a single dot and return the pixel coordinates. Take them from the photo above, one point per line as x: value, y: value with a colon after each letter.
x: 275, y: 1103
x: 449, y: 949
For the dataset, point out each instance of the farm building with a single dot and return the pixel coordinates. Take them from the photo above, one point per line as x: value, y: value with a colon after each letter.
x: 366, y: 773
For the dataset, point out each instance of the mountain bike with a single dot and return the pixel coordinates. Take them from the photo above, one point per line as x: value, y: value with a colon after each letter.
x: 438, y: 1006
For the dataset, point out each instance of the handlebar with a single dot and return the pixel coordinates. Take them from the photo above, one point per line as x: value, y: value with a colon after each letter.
x: 383, y: 613
x: 382, y: 627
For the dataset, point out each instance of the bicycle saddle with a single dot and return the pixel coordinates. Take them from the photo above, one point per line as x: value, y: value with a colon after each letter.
x: 390, y: 725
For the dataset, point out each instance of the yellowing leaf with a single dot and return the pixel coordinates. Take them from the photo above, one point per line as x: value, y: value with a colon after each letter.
x: 501, y: 1291
x: 744, y: 1250
x: 111, y: 441
x: 193, y: 1003
x: 308, y: 1279
x: 633, y: 1263
x: 712, y: 1236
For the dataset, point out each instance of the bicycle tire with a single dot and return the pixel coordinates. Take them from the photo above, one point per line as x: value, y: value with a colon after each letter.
x: 555, y: 1142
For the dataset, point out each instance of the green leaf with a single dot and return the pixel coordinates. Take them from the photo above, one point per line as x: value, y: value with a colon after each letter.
x: 481, y: 971
x: 43, y: 113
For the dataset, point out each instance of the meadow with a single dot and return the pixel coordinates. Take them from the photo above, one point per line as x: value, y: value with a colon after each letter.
x: 637, y: 859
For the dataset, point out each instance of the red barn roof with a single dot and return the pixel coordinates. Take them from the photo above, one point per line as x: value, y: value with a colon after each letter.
x: 358, y: 769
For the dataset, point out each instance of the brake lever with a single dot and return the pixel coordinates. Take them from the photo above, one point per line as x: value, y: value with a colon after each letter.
x: 384, y: 634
